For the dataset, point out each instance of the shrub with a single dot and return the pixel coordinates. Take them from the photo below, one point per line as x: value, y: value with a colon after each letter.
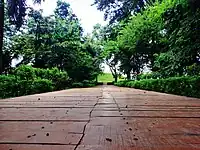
x: 59, y: 78
x: 77, y: 85
x: 186, y: 86
x: 4, y: 78
x: 153, y: 75
x: 193, y: 70
x: 110, y: 83
x: 99, y: 83
x: 84, y: 84
x: 87, y: 83
x: 25, y: 72
x: 27, y: 80
x: 14, y: 88
x: 42, y: 86
x: 8, y: 86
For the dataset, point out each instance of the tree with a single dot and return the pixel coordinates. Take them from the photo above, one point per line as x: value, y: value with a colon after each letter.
x: 1, y: 34
x: 106, y: 39
x: 117, y: 10
x: 16, y: 13
x: 57, y: 41
x: 181, y: 25
x: 110, y: 53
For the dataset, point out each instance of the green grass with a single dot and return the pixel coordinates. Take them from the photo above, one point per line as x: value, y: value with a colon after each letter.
x: 106, y: 77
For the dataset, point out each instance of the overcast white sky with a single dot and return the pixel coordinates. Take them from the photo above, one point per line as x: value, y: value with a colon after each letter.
x: 88, y: 14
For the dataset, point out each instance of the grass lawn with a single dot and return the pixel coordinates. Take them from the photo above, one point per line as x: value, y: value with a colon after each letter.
x: 106, y: 77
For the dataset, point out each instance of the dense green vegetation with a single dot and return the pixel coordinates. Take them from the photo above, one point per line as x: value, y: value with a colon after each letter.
x: 161, y: 36
x: 186, y: 86
x: 46, y: 43
x: 26, y: 80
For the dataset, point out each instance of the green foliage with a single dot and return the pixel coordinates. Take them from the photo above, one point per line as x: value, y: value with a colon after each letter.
x: 42, y: 86
x: 28, y: 80
x: 152, y: 75
x: 25, y: 73
x: 77, y: 85
x: 193, y: 70
x: 84, y: 84
x: 6, y: 78
x: 57, y: 41
x: 14, y: 88
x: 110, y: 83
x: 59, y: 78
x: 186, y: 86
x: 164, y: 37
x: 120, y: 9
x: 181, y: 24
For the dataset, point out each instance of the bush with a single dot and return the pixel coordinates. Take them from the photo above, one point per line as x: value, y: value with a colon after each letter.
x: 59, y: 78
x: 8, y: 86
x: 186, y: 86
x: 42, y: 86
x: 193, y: 70
x: 153, y: 75
x: 99, y: 83
x: 27, y: 80
x: 84, y: 84
x: 4, y: 78
x: 110, y: 83
x: 25, y: 72
x: 77, y: 85
x: 14, y: 88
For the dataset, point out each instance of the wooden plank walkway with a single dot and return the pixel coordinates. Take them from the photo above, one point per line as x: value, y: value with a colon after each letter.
x: 100, y: 118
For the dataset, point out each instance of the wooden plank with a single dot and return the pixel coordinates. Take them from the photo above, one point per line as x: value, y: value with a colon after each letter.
x: 148, y: 113
x: 35, y: 147
x: 123, y: 147
x: 44, y: 113
x: 51, y: 138
x: 105, y: 117
x: 142, y: 132
x: 66, y: 127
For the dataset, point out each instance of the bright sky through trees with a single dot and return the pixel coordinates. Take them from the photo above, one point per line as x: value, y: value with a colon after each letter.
x: 88, y: 14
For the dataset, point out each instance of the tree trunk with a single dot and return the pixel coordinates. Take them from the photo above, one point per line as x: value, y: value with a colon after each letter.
x: 116, y: 78
x: 96, y: 78
x: 1, y: 34
x: 128, y: 75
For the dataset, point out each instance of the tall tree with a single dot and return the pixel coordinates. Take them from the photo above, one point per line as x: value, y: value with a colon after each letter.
x: 16, y: 10
x: 1, y: 34
x: 117, y: 10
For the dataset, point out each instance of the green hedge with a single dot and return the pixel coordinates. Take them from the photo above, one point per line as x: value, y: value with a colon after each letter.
x: 59, y: 78
x: 185, y: 86
x: 84, y: 84
x: 26, y: 80
x: 15, y: 88
x: 152, y: 75
x: 110, y: 83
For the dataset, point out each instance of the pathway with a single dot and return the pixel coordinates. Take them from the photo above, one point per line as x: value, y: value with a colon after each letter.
x: 100, y: 118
